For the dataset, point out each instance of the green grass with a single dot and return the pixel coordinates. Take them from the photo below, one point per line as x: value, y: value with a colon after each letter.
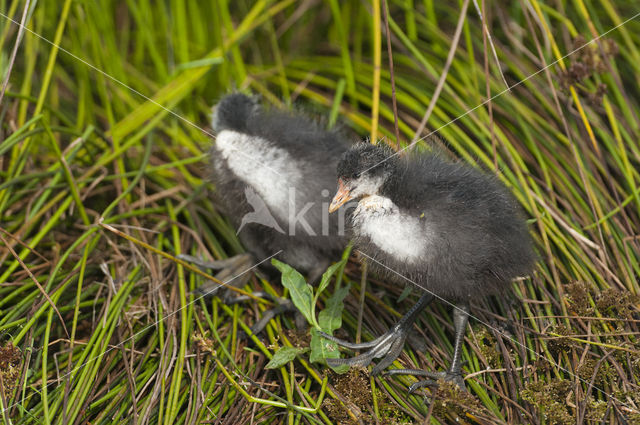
x: 105, y: 329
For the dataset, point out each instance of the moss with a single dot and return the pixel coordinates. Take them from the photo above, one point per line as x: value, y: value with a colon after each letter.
x: 390, y: 415
x: 579, y: 296
x: 635, y: 365
x: 623, y: 357
x: 451, y: 401
x: 596, y: 410
x: 558, y: 345
x: 299, y: 339
x: 10, y: 363
x: 587, y: 367
x: 389, y: 412
x: 354, y: 386
x: 550, y: 398
x: 634, y: 419
x: 488, y: 347
x: 617, y: 304
x: 337, y: 412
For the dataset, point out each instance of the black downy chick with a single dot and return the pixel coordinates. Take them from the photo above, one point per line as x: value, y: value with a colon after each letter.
x: 274, y: 172
x: 448, y: 228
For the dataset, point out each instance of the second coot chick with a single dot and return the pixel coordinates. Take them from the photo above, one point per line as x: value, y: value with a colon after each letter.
x: 453, y: 231
x: 273, y: 172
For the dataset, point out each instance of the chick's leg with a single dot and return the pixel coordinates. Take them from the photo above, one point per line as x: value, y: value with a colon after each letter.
x: 388, y: 346
x: 454, y: 374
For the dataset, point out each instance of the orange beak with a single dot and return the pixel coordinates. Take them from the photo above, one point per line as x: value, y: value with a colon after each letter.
x: 343, y: 195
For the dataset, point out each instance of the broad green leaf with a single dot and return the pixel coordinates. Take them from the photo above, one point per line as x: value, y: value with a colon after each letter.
x: 330, y: 318
x: 326, y: 276
x: 322, y: 349
x: 283, y: 356
x: 301, y: 292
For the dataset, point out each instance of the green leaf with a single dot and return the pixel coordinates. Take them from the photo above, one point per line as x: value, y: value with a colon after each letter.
x: 326, y: 276
x: 301, y: 292
x: 330, y: 318
x: 283, y: 356
x: 322, y: 349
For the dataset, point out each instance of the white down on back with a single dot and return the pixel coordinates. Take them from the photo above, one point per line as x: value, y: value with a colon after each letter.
x: 268, y: 169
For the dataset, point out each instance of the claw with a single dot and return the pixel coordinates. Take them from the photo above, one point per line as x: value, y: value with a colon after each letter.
x: 456, y: 378
x: 361, y: 360
x: 412, y: 372
x: 388, y: 346
x: 347, y: 344
x: 392, y: 353
x: 448, y: 376
x: 421, y: 384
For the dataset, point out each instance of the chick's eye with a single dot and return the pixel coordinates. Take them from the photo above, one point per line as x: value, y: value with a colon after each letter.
x: 356, y: 175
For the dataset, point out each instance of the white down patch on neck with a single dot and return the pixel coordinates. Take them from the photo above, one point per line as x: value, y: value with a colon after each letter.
x: 268, y: 169
x: 404, y: 237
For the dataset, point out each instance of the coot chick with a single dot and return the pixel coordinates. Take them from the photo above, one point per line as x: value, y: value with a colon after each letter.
x: 448, y: 228
x: 273, y: 172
